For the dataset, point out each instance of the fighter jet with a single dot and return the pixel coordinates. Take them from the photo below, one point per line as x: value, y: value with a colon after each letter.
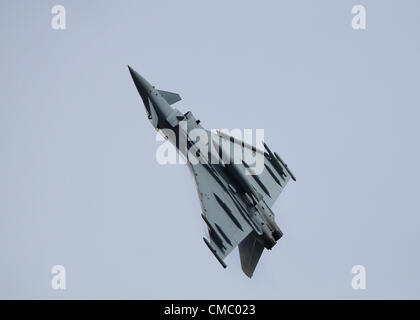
x: 236, y: 202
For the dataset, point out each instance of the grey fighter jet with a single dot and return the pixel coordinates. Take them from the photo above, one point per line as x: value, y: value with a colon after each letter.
x: 235, y: 200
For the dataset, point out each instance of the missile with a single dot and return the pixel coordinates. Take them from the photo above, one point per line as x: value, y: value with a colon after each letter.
x: 236, y: 172
x: 278, y: 163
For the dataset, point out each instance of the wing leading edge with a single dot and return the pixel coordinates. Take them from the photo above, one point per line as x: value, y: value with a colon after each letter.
x: 275, y: 175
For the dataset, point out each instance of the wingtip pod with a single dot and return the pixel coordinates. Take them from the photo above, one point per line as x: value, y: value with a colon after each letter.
x: 214, y: 251
x: 285, y: 165
x: 275, y: 156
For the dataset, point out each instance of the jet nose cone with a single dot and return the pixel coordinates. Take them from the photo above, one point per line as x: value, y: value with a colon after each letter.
x: 143, y: 87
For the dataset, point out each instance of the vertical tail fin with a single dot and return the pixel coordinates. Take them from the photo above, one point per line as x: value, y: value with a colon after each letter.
x: 250, y: 250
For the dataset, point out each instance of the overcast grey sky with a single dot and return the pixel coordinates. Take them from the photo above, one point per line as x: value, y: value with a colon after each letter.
x: 80, y: 186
